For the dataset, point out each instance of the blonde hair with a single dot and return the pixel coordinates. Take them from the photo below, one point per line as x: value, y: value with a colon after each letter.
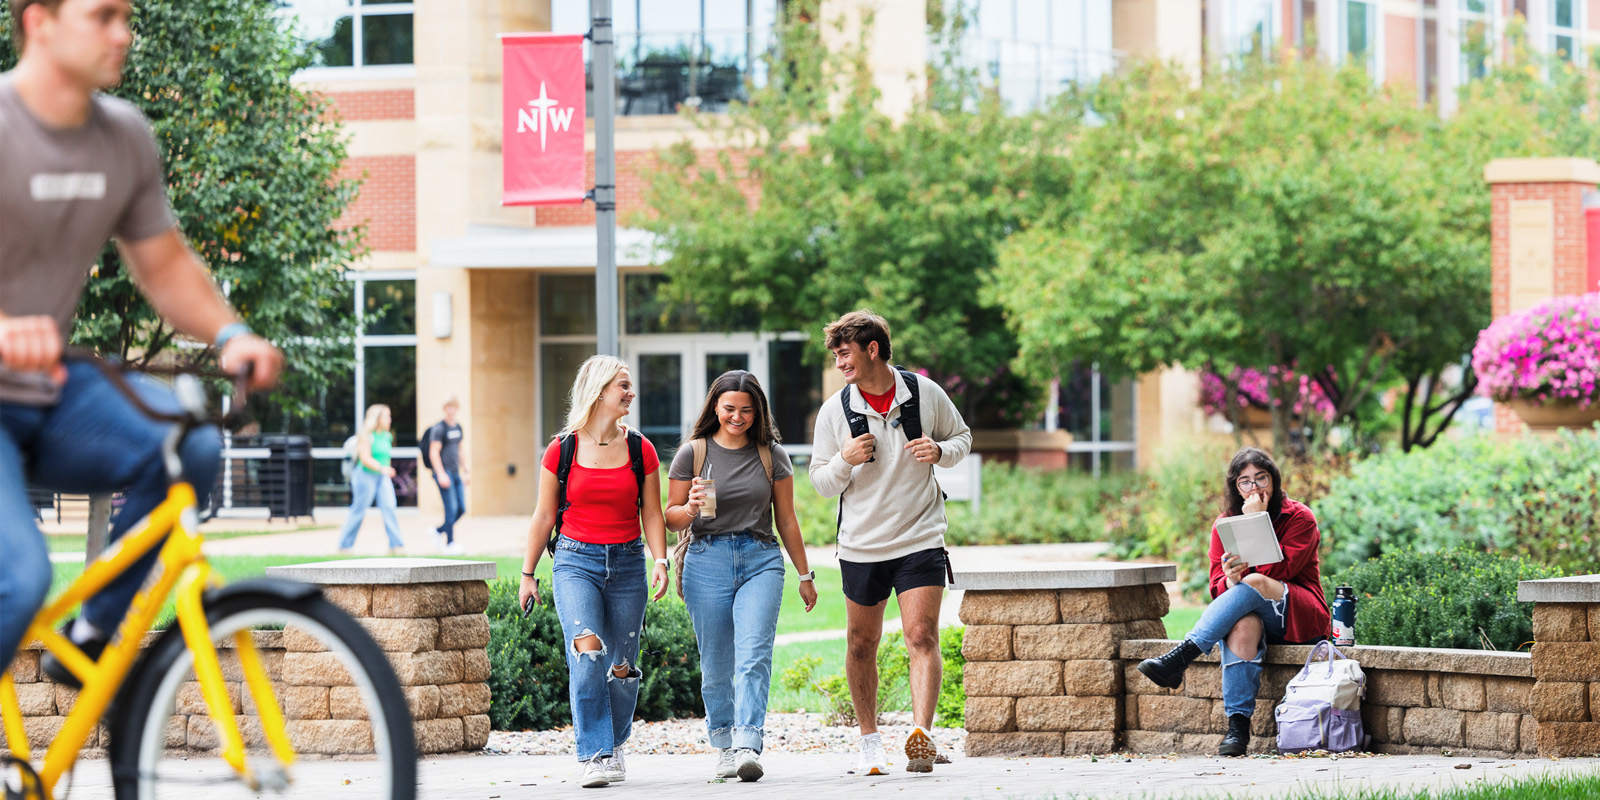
x: 369, y: 425
x: 594, y: 376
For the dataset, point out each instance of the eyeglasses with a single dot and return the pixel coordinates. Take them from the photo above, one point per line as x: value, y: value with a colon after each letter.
x: 1262, y: 482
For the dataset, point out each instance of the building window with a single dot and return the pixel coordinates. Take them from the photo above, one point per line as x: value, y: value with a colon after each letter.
x: 1358, y: 28
x: 1476, y: 44
x: 1247, y: 27
x: 1029, y: 51
x: 353, y: 33
x: 1100, y: 415
x: 1564, y: 27
x: 566, y: 338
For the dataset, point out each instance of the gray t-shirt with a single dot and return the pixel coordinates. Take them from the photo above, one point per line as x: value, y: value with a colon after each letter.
x: 64, y: 192
x: 449, y: 438
x: 744, y: 498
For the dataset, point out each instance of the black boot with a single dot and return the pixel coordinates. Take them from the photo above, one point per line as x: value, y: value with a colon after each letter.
x: 1166, y: 671
x: 1238, y: 739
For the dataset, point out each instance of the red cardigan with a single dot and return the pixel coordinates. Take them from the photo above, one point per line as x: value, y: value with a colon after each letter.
x: 1306, y: 618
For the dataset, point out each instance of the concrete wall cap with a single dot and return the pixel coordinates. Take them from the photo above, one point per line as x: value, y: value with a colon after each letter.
x: 1542, y: 170
x: 1418, y: 659
x: 1095, y: 575
x: 1575, y: 589
x: 385, y: 571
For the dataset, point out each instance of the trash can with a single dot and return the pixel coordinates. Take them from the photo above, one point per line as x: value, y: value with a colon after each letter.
x: 286, y: 477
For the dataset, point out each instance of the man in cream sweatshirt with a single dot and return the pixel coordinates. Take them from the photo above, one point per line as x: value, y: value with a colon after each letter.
x: 891, y: 530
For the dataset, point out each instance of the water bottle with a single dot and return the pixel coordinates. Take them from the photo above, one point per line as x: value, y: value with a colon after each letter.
x: 1344, y: 616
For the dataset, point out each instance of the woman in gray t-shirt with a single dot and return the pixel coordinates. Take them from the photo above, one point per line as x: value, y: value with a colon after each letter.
x: 733, y: 572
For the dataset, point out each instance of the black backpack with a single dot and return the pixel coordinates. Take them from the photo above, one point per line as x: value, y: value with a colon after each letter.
x: 910, y: 411
x: 569, y: 451
x: 424, y: 446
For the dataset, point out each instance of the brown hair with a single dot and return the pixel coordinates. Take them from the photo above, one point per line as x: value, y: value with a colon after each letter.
x: 1232, y: 501
x: 762, y: 431
x: 862, y: 327
x: 18, y: 35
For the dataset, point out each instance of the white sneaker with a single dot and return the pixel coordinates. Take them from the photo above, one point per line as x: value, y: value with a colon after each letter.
x: 453, y: 549
x: 748, y: 765
x: 594, y: 774
x: 873, y: 761
x: 726, y: 768
x: 440, y: 541
x: 616, y: 768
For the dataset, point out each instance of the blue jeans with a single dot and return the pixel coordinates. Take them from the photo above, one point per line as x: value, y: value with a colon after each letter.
x: 91, y: 441
x: 1241, y: 680
x: 734, y: 587
x: 455, y: 504
x: 364, y: 486
x: 600, y: 591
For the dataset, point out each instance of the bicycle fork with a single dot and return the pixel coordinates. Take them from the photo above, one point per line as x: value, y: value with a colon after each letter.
x: 196, y: 630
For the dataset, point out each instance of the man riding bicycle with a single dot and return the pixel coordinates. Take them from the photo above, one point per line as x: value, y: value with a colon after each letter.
x: 78, y: 169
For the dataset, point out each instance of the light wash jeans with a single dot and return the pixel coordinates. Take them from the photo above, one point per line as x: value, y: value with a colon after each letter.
x: 733, y: 584
x: 364, y: 487
x: 455, y: 503
x: 600, y: 590
x: 1241, y: 680
x: 91, y: 441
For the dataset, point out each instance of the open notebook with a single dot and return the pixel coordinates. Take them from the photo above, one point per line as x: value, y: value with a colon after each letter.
x: 1250, y: 536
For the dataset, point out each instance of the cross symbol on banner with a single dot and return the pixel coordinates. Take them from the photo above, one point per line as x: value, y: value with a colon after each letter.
x: 542, y: 116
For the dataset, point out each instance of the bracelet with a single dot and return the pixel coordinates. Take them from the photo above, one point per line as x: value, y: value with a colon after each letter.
x: 664, y: 563
x: 809, y: 576
x: 229, y: 331
x: 527, y: 575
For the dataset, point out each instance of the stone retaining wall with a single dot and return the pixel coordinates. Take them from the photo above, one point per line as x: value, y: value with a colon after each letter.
x: 434, y: 633
x: 1051, y: 655
x: 1418, y: 701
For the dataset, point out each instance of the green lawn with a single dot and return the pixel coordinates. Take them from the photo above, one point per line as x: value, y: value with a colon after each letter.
x: 1564, y: 786
x: 1180, y: 621
x: 76, y: 542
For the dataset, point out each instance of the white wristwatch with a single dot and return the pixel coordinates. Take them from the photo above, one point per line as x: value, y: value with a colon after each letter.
x: 809, y: 576
x: 664, y: 562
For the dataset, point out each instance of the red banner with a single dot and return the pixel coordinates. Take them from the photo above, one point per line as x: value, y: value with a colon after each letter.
x: 542, y: 143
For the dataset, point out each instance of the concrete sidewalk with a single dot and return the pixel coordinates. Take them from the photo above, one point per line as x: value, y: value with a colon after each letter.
x: 790, y: 775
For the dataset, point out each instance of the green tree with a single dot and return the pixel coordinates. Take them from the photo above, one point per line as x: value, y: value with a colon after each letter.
x: 1279, y: 213
x: 252, y: 173
x: 811, y: 203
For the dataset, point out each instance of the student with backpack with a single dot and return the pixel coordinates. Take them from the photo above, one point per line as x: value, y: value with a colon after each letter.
x: 599, y: 484
x: 730, y: 572
x: 371, y: 479
x: 875, y: 448
x: 1280, y: 603
x: 442, y: 453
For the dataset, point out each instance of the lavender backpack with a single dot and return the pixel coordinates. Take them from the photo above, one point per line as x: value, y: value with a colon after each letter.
x: 1321, y: 708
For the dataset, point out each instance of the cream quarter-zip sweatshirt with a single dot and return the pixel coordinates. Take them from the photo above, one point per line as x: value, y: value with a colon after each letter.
x: 892, y: 505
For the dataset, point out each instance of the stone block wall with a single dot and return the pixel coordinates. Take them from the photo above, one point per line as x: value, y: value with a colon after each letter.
x: 1042, y: 674
x: 1566, y: 664
x: 1418, y: 701
x: 434, y: 633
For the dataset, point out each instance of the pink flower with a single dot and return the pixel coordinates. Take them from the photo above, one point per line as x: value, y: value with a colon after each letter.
x: 1253, y: 390
x: 1550, y: 352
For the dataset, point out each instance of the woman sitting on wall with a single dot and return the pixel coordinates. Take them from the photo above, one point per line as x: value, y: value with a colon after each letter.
x: 1279, y: 603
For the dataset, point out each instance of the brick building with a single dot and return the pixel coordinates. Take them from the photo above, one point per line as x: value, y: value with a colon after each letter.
x: 494, y: 305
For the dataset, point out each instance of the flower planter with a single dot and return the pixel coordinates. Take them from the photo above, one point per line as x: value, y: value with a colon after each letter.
x: 1553, y: 416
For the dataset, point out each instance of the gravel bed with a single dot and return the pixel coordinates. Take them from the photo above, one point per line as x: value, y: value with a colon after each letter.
x: 791, y: 733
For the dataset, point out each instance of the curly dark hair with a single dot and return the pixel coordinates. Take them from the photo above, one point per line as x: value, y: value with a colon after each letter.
x: 1232, y: 501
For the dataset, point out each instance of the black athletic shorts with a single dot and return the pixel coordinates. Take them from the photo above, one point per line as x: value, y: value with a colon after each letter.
x: 869, y: 583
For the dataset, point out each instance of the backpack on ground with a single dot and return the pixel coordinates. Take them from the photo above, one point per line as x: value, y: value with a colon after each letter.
x: 1321, y: 707
x: 423, y: 446
x: 686, y: 536
x: 569, y: 451
x: 349, y: 461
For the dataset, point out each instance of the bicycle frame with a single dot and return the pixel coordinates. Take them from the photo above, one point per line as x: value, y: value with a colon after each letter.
x: 184, y: 570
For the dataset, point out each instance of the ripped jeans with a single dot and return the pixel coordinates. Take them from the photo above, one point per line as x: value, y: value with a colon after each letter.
x: 1241, y: 680
x: 600, y: 591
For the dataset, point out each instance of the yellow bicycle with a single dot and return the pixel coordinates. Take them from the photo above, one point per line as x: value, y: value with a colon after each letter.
x: 205, y: 702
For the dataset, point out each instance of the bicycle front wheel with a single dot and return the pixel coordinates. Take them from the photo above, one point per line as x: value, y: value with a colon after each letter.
x: 347, y: 717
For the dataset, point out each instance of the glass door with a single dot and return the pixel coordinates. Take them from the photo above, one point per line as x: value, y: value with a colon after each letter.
x: 671, y: 373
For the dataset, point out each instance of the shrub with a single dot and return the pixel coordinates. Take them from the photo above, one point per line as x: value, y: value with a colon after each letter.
x: 1528, y: 496
x: 1547, y: 353
x: 894, y: 681
x: 1254, y: 389
x: 1454, y: 598
x: 528, y: 666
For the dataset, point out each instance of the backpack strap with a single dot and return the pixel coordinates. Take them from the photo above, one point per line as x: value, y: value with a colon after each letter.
x: 765, y: 451
x: 698, y: 448
x: 568, y: 442
x: 636, y: 460
x: 911, y: 409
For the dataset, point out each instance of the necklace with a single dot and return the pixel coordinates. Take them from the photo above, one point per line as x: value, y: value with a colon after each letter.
x: 604, y: 443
